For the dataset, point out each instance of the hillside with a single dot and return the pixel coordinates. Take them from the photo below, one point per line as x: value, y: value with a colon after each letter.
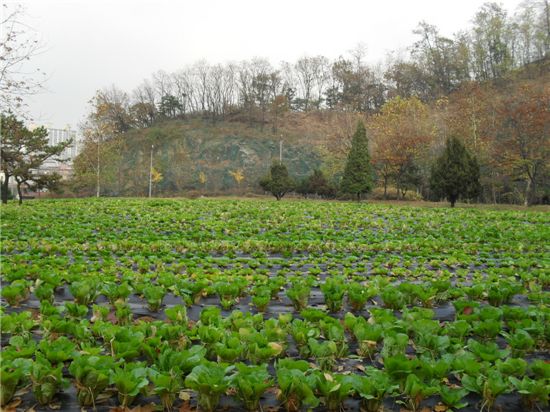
x: 230, y: 153
x: 196, y: 154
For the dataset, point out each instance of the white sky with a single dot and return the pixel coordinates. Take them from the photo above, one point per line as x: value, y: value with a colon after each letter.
x: 93, y: 44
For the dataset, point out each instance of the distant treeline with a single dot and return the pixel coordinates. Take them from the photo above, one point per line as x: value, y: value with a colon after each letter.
x: 487, y: 86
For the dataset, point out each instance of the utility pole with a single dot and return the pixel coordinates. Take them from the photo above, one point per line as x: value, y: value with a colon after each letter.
x: 97, y: 168
x: 151, y: 171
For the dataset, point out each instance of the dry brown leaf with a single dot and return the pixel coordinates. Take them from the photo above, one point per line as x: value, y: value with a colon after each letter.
x: 22, y: 391
x: 185, y: 407
x: 12, y: 406
x: 55, y: 405
x: 111, y: 317
x: 102, y: 397
x: 146, y: 319
x: 360, y: 367
x: 440, y: 408
x: 273, y: 389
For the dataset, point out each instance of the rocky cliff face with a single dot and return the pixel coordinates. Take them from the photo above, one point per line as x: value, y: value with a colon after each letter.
x: 206, y: 159
x: 220, y: 156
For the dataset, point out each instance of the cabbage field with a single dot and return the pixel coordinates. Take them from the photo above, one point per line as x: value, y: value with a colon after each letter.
x: 257, y: 305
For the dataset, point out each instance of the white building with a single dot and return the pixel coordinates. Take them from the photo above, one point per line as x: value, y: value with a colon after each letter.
x: 56, y: 136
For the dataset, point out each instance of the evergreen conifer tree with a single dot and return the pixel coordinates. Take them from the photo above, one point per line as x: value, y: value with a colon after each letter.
x: 278, y: 182
x: 357, y: 177
x: 455, y: 173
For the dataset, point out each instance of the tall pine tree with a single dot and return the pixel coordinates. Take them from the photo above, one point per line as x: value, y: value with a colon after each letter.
x: 455, y: 173
x: 357, y: 178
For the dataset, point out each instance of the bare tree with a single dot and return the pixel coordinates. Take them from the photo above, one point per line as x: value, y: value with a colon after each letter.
x: 163, y: 83
x: 322, y: 75
x: 144, y: 109
x: 183, y: 90
x: 18, y: 45
x: 145, y: 93
x: 201, y: 72
x: 186, y: 86
x: 543, y: 26
x: 305, y: 71
x: 490, y: 42
x: 214, y: 90
x: 229, y: 87
x: 263, y: 76
x: 244, y: 85
x: 288, y: 76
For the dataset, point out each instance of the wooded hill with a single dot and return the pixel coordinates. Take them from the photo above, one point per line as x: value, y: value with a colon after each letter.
x: 230, y: 156
x: 217, y: 128
x: 194, y: 154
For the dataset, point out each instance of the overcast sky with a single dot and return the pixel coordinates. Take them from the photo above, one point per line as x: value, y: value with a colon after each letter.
x: 94, y: 44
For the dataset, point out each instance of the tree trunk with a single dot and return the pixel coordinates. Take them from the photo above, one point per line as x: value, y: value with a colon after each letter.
x: 5, y: 188
x: 452, y: 199
x: 547, y: 9
x: 274, y: 127
x: 385, y: 188
x: 527, y: 192
x: 19, y: 193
